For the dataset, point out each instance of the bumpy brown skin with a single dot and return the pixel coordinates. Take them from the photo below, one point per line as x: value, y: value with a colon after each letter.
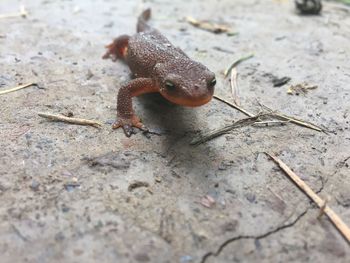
x: 158, y: 66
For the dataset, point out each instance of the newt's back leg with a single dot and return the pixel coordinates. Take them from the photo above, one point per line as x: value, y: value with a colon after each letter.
x: 118, y: 48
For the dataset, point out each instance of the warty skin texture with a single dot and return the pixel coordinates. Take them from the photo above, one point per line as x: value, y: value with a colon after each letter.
x: 157, y: 66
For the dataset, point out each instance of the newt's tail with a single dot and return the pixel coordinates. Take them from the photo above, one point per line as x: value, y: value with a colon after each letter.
x: 142, y: 21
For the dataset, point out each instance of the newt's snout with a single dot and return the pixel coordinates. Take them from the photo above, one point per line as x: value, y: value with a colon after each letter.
x: 189, y: 96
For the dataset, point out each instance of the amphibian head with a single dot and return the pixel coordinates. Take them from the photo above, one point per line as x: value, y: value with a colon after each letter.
x: 185, y: 82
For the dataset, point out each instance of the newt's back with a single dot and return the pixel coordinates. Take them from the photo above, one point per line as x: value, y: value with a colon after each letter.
x: 149, y: 47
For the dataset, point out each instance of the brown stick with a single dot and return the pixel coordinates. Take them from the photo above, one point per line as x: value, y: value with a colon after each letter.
x: 17, y: 88
x: 62, y: 118
x: 335, y: 219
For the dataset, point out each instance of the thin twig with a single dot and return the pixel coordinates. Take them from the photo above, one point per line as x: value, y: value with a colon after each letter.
x: 224, y: 130
x: 236, y: 63
x: 335, y: 219
x: 234, y: 86
x: 17, y: 88
x: 234, y: 106
x: 54, y: 117
x: 293, y: 119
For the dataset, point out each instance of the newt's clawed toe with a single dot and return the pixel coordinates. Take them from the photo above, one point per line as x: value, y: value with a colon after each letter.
x: 110, y: 53
x: 129, y: 124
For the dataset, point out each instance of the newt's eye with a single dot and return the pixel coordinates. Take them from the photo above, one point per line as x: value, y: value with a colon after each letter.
x: 169, y: 85
x: 212, y: 82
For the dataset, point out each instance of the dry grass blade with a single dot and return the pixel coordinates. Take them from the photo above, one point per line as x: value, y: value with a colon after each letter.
x: 208, y: 26
x: 2, y: 92
x: 234, y: 106
x: 54, y: 117
x: 292, y: 119
x: 299, y: 122
x: 234, y: 86
x: 335, y: 219
x: 238, y: 124
x: 269, y: 123
x: 273, y: 114
x: 301, y: 88
x: 236, y: 63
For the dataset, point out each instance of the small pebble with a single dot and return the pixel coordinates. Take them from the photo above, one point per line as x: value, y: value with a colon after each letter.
x: 35, y: 185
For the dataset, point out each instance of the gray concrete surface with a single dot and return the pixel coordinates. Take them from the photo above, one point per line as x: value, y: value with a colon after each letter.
x: 64, y: 188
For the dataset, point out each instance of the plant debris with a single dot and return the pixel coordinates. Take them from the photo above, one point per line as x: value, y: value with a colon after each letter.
x: 278, y: 82
x: 209, y: 26
x: 335, y: 219
x: 233, y: 106
x: 234, y: 86
x: 323, y: 207
x: 2, y: 92
x: 293, y: 119
x: 137, y: 184
x: 262, y: 118
x: 269, y: 123
x: 22, y: 12
x: 62, y: 118
x: 236, y: 63
x: 238, y: 124
x: 223, y: 50
x: 301, y: 88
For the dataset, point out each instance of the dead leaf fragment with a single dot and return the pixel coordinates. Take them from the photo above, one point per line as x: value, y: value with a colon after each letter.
x: 302, y: 88
x: 208, y: 26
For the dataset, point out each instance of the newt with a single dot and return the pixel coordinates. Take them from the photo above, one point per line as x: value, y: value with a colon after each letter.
x: 157, y: 66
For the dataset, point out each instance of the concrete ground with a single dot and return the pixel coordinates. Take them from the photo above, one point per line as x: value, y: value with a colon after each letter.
x: 73, y: 193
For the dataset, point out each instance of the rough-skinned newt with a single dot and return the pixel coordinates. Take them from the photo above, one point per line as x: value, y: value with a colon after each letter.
x: 157, y: 66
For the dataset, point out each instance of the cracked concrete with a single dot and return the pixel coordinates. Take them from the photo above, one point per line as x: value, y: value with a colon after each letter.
x: 67, y: 192
x: 256, y: 237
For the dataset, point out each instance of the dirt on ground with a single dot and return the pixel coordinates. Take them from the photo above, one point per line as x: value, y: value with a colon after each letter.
x: 72, y: 193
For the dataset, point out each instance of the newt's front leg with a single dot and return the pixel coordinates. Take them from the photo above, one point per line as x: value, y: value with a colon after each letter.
x: 125, y: 113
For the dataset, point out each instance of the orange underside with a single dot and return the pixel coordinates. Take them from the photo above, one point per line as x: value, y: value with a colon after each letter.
x: 188, y: 102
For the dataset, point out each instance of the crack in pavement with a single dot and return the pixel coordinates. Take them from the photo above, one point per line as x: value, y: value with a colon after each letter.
x: 257, y: 237
x: 271, y: 232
